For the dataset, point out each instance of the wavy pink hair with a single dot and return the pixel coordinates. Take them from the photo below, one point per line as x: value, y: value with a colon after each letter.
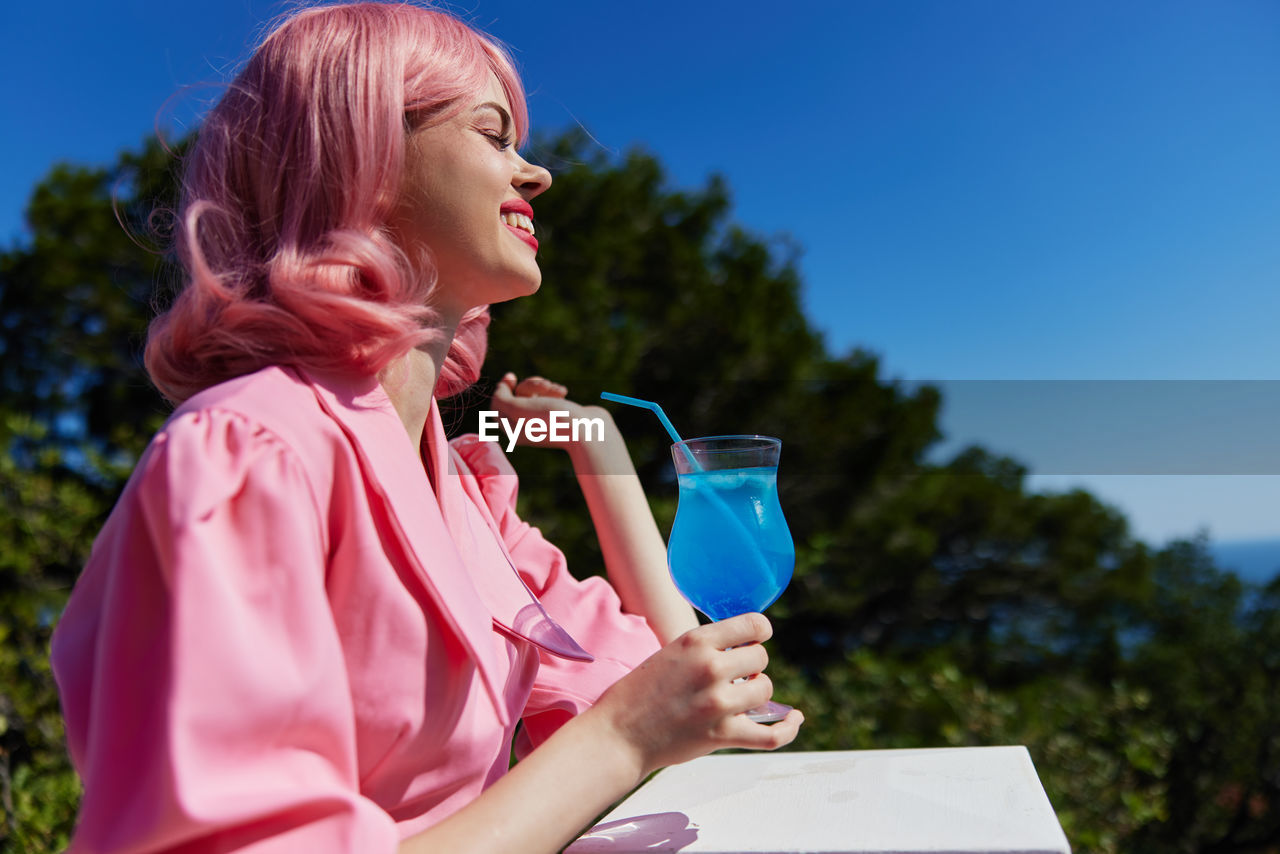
x: 288, y: 189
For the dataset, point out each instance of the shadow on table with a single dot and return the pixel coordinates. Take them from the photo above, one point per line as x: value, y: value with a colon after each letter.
x: 664, y: 831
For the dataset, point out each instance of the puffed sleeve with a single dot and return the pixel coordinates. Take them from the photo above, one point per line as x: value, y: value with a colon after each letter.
x: 202, y: 678
x: 589, y: 608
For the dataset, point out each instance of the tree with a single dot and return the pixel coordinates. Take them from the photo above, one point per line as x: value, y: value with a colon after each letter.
x: 933, y: 603
x: 1211, y: 658
x: 75, y: 302
x: 75, y: 409
x: 48, y: 520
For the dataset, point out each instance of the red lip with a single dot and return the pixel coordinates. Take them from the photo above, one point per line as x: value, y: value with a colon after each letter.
x: 520, y: 206
x: 523, y: 235
x: 517, y: 206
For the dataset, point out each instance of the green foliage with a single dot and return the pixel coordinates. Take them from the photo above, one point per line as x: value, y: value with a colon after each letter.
x: 1099, y: 750
x: 75, y: 302
x: 48, y: 518
x: 933, y: 604
x: 1212, y: 660
x: 75, y: 409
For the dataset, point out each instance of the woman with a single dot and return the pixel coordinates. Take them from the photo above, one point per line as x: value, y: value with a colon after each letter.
x: 310, y: 623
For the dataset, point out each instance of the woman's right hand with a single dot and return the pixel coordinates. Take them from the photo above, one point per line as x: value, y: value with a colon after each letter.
x: 679, y: 704
x: 683, y: 701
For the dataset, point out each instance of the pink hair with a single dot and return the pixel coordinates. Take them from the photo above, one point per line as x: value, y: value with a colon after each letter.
x: 288, y: 189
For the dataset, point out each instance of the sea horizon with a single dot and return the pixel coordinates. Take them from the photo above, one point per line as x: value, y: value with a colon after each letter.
x: 1256, y: 560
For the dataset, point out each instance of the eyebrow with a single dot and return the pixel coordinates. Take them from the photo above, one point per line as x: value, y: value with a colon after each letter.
x: 501, y: 111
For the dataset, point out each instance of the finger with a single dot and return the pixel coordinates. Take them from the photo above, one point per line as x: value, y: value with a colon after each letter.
x: 533, y: 386
x: 735, y: 631
x: 748, y: 734
x: 506, y: 386
x: 551, y: 388
x: 784, y: 731
x: 751, y: 693
x: 549, y: 385
x: 744, y: 661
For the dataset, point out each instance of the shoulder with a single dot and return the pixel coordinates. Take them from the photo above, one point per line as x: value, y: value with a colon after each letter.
x: 268, y: 422
x: 277, y: 403
x: 275, y: 397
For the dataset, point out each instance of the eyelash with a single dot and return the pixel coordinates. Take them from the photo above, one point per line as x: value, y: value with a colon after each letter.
x: 503, y: 142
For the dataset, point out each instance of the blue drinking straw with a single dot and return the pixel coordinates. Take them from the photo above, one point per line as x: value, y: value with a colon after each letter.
x: 645, y: 404
x: 662, y: 416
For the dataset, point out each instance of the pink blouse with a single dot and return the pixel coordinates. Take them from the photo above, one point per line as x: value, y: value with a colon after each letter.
x: 287, y: 640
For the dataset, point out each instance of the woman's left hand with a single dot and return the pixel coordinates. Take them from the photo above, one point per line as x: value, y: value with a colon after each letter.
x: 538, y: 397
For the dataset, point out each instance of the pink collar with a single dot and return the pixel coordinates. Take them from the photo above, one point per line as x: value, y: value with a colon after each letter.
x: 472, y: 577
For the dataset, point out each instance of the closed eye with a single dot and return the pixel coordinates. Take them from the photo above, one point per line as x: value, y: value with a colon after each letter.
x: 501, y: 137
x: 500, y: 140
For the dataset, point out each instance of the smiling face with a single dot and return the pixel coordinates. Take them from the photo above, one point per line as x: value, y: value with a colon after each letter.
x: 464, y: 198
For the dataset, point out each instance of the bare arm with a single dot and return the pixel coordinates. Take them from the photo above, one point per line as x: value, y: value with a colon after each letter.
x: 635, y: 555
x: 679, y: 704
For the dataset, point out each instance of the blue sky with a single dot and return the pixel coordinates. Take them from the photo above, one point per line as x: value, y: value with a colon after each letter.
x: 982, y: 190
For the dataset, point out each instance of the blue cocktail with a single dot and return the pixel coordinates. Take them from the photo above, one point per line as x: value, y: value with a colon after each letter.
x: 730, y: 550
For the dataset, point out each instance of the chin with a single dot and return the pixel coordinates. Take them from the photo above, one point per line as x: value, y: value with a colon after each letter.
x: 526, y: 288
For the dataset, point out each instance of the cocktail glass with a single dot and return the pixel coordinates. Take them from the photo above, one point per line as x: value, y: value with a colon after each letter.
x: 730, y: 551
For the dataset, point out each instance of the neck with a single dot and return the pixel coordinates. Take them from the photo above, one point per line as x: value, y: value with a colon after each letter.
x: 410, y: 381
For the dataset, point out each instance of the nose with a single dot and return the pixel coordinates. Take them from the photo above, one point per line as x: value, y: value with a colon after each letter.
x: 530, y: 180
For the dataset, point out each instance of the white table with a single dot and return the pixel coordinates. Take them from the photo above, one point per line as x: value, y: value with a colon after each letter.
x: 967, y: 799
